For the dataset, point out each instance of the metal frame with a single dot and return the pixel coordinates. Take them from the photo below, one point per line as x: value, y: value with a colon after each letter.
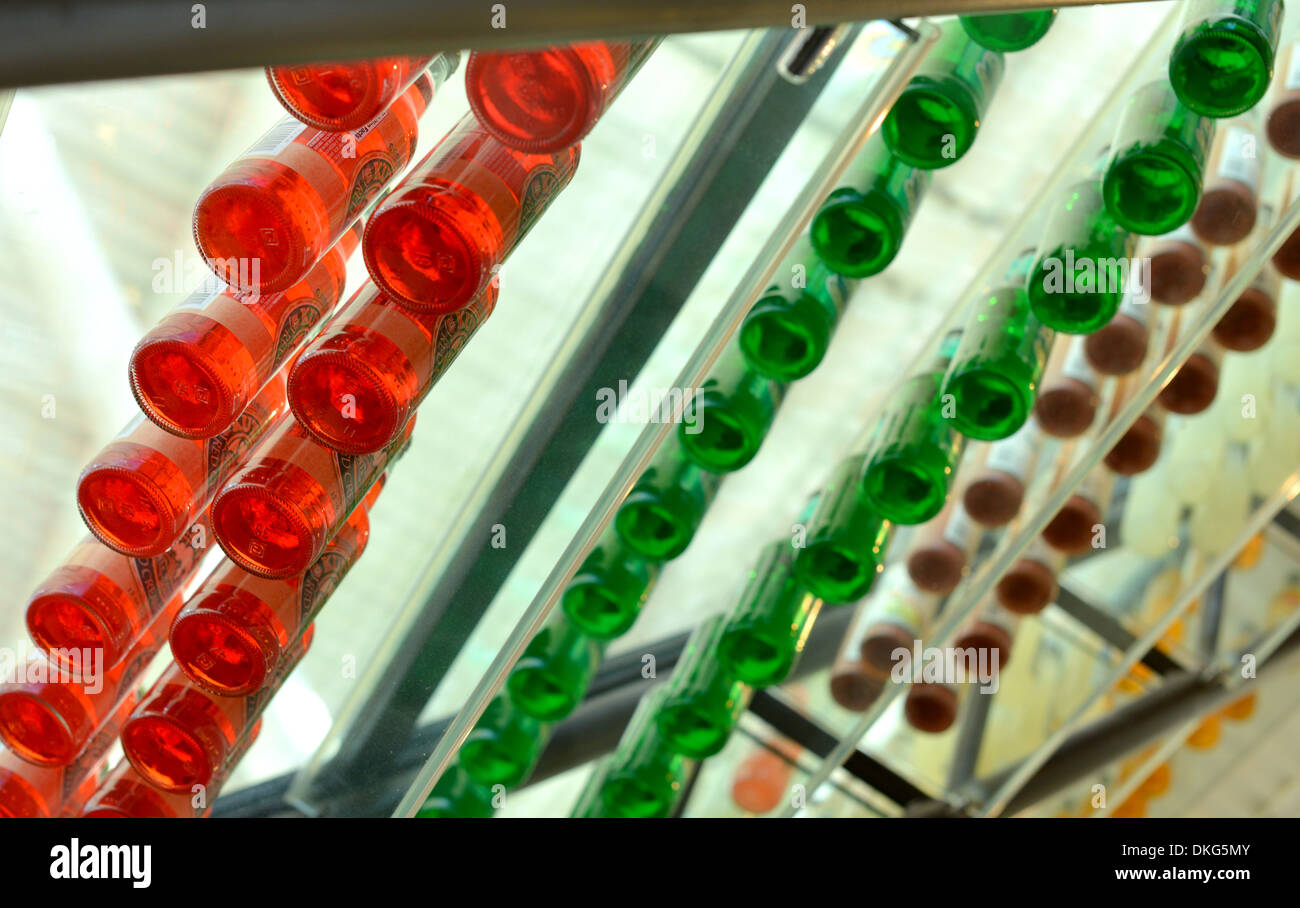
x: 45, y: 42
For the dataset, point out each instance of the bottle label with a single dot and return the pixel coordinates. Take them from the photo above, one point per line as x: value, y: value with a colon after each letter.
x: 277, y: 139
x: 158, y: 578
x: 1292, y: 80
x: 1013, y: 455
x: 1239, y: 157
x: 1132, y: 306
x: 544, y: 184
x: 296, y: 324
x: 371, y: 163
x: 227, y: 450
x: 327, y: 572
x: 1076, y: 364
x: 898, y: 607
x: 961, y: 530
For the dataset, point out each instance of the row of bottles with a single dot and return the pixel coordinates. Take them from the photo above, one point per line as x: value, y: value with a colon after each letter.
x: 271, y: 411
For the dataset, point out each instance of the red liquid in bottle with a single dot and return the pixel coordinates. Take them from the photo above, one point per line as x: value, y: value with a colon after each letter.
x: 276, y: 514
x: 146, y: 487
x: 98, y: 598
x: 233, y: 632
x: 199, y: 367
x: 543, y: 101
x: 125, y: 794
x: 339, y: 96
x: 274, y: 212
x: 31, y: 791
x: 358, y: 382
x: 435, y: 242
x: 50, y: 721
x: 180, y: 736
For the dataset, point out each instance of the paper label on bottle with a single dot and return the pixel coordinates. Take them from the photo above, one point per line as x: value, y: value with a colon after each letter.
x: 1183, y: 234
x: 277, y: 139
x: 961, y: 530
x: 225, y: 452
x: 996, y: 613
x: 1076, y: 364
x: 1239, y: 157
x: 901, y: 609
x: 1013, y: 455
x: 1292, y: 80
x: 200, y: 298
x: 1133, y: 306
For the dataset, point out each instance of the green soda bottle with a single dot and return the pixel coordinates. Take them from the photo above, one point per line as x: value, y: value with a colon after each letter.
x: 846, y: 540
x: 860, y: 227
x: 645, y: 778
x: 1222, y: 61
x: 660, y: 515
x: 908, y: 464
x: 607, y: 593
x: 729, y: 415
x: 457, y: 795
x: 1078, y: 279
x: 1157, y: 162
x: 504, y: 746
x: 1007, y: 32
x: 703, y: 701
x: 552, y: 675
x: 765, y: 631
x: 934, y: 121
x: 785, y: 336
x: 995, y: 373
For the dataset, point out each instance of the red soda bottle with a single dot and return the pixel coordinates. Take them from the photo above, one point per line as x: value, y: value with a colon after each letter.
x: 362, y: 377
x: 146, y: 487
x: 339, y: 96
x: 273, y: 213
x: 434, y: 243
x: 543, y: 101
x: 197, y: 369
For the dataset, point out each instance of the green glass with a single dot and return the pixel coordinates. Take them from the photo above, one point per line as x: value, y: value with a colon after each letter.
x: 1008, y: 32
x: 1223, y: 59
x: 457, y: 795
x: 1078, y: 278
x: 503, y: 747
x: 765, y: 631
x: 860, y: 227
x: 934, y: 121
x: 731, y: 413
x: 703, y: 701
x: 1157, y: 162
x: 552, y: 675
x: 995, y: 372
x: 785, y: 336
x: 846, y: 540
x: 660, y: 515
x: 645, y: 777
x: 591, y: 801
x: 908, y: 464
x: 606, y: 595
